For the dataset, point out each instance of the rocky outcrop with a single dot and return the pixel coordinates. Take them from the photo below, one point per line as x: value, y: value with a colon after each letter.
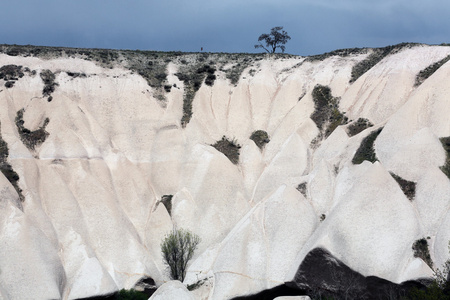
x: 114, y: 140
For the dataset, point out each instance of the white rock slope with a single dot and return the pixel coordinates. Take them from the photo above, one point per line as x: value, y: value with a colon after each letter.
x: 91, y: 223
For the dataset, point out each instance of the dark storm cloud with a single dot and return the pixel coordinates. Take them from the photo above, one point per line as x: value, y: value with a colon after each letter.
x: 223, y: 26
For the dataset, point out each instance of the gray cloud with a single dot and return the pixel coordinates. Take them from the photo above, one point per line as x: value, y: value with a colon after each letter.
x: 223, y: 26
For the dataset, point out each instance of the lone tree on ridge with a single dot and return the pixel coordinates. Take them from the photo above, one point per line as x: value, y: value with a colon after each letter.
x: 277, y: 38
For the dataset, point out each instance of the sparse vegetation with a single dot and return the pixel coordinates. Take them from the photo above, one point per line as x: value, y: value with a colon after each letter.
x: 76, y: 74
x: 420, y: 248
x: 260, y: 137
x: 7, y: 169
x: 446, y: 144
x: 326, y: 113
x: 29, y: 138
x: 10, y: 74
x: 366, y: 150
x: 359, y: 125
x: 195, y: 68
x: 375, y: 57
x: 229, y: 148
x: 48, y: 78
x: 408, y: 187
x: 193, y: 77
x: 428, y: 71
x: 177, y: 249
x: 196, y: 285
x: 340, y: 52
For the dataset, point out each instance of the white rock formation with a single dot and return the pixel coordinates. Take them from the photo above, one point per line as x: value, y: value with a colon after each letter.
x: 172, y: 290
x: 91, y: 221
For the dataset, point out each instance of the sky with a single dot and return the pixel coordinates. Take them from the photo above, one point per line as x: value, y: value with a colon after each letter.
x: 315, y: 26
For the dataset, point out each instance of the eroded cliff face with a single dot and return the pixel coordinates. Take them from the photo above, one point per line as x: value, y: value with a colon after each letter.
x: 92, y: 148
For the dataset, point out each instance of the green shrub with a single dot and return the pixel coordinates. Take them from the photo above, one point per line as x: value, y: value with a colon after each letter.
x: 420, y: 248
x: 260, y: 137
x: 408, y: 187
x: 177, y: 249
x: 366, y: 150
x: 359, y: 125
x: 229, y: 148
x: 326, y: 113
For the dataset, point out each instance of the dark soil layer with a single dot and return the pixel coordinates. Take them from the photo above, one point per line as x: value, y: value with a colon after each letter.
x: 366, y: 150
x: 408, y: 187
x: 229, y: 148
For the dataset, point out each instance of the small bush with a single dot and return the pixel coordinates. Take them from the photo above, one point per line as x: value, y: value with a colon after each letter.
x: 229, y: 148
x: 177, y: 249
x: 260, y: 137
x: 9, y: 84
x: 356, y: 127
x: 366, y: 150
x: 408, y: 187
x: 420, y: 248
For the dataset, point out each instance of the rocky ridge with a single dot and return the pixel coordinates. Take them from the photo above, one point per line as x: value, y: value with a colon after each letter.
x: 92, y: 141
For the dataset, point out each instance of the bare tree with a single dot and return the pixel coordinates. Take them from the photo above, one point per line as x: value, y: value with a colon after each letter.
x: 277, y: 38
